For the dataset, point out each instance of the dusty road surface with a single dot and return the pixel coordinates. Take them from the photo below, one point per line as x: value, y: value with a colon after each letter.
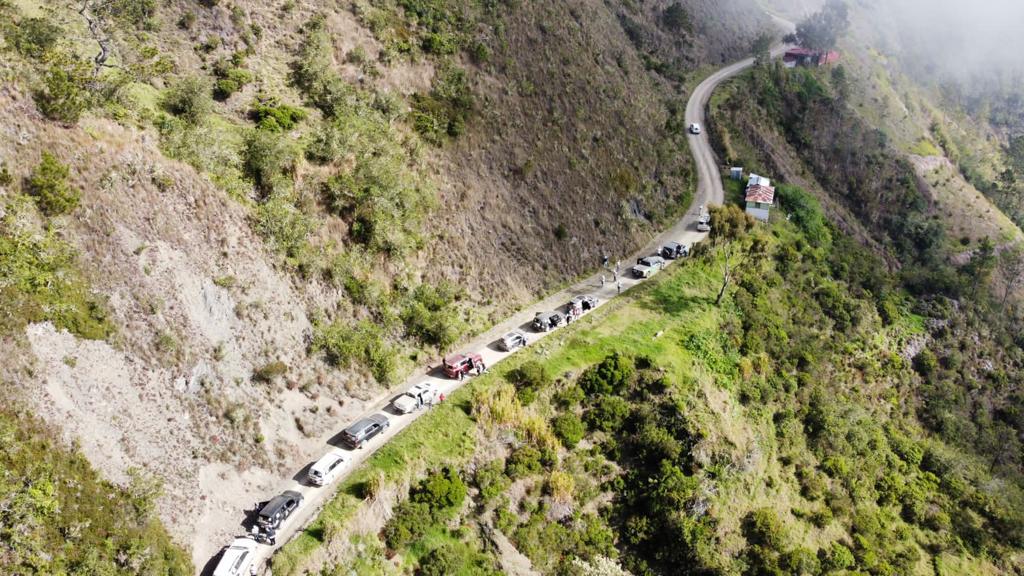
x: 206, y: 554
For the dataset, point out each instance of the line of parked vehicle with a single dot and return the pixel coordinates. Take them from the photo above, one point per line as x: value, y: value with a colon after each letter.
x: 238, y: 557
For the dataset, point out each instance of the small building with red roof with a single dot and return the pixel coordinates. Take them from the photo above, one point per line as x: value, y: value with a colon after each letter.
x: 760, y: 197
x: 800, y: 56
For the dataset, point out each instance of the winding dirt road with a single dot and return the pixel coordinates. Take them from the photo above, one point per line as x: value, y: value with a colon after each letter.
x: 709, y: 191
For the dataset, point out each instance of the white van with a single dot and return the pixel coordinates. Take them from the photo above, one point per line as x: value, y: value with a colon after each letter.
x: 237, y: 558
x: 327, y: 469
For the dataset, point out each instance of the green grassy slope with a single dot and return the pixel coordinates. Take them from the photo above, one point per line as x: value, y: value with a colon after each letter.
x: 777, y: 433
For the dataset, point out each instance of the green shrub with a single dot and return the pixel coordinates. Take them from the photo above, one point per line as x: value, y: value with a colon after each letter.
x: 442, y: 113
x: 607, y: 414
x: 491, y: 480
x: 313, y: 70
x: 326, y: 145
x: 925, y: 363
x: 49, y: 187
x: 570, y: 397
x: 272, y: 115
x: 431, y: 316
x: 137, y: 13
x: 765, y: 528
x: 232, y: 81
x: 60, y: 513
x: 270, y: 372
x: 569, y: 429
x: 365, y: 342
x: 409, y: 522
x: 611, y: 376
x: 189, y: 99
x: 34, y: 37
x: 443, y: 491
x: 287, y: 229
x: 524, y: 461
x: 64, y: 92
x: 838, y: 557
x: 41, y: 282
x: 266, y: 158
x: 456, y: 558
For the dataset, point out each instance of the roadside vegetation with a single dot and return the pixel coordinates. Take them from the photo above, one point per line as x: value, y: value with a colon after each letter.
x: 786, y: 429
x: 57, y: 516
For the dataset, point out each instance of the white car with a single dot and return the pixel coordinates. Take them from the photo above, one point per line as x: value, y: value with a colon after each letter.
x: 694, y: 128
x: 327, y: 469
x: 237, y: 558
x: 414, y: 398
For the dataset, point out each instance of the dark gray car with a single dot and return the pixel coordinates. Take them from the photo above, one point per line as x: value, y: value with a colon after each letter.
x: 361, y: 432
x: 279, y: 509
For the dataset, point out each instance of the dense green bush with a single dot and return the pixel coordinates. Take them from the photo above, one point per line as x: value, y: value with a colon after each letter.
x: 431, y: 315
x: 456, y: 559
x: 269, y: 114
x: 284, y: 226
x: 189, y: 99
x: 408, y: 523
x: 612, y: 376
x: 34, y: 37
x: 231, y: 81
x: 569, y: 429
x: 48, y: 186
x: 365, y: 342
x: 529, y: 379
x: 608, y: 413
x: 443, y: 491
x: 524, y: 461
x: 267, y: 158
x: 491, y: 480
x: 64, y: 94
x: 138, y: 13
x: 442, y: 113
x: 313, y: 70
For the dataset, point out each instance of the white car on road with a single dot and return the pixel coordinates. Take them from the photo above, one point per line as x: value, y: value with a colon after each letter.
x: 695, y: 128
x: 414, y: 398
x: 237, y: 558
x: 328, y: 468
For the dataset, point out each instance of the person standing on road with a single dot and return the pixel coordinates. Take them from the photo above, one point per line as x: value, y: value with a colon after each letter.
x: 618, y: 287
x: 602, y: 280
x: 604, y: 261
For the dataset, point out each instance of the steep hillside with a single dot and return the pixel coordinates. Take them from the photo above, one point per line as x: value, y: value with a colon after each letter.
x: 227, y: 225
x: 788, y: 429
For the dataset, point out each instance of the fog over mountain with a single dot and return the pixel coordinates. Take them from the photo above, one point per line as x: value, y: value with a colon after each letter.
x: 953, y: 39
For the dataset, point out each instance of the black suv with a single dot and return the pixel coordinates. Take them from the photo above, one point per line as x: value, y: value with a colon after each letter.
x: 279, y: 509
x: 361, y: 432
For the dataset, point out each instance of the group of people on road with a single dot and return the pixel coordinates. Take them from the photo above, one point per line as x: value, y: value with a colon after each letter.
x: 615, y: 275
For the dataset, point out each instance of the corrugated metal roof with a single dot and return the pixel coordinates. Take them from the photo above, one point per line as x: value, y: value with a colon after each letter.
x: 761, y: 194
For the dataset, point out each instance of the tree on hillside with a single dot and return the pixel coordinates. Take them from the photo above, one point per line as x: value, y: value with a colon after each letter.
x: 762, y: 49
x: 731, y: 225
x: 1010, y: 268
x: 821, y: 31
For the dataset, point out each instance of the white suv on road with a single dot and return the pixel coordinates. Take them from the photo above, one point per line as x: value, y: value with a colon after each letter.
x: 694, y: 128
x: 237, y: 558
x: 327, y: 469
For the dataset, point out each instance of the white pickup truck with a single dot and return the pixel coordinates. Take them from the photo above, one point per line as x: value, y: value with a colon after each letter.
x: 414, y: 398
